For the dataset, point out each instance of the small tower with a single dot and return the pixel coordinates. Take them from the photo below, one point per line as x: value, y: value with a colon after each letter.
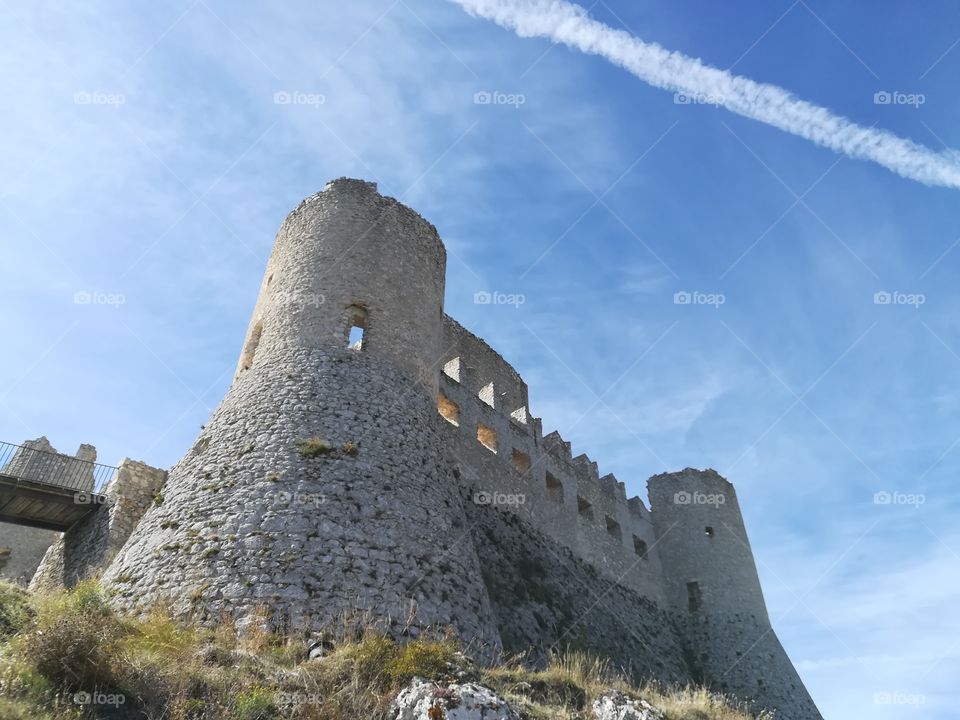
x: 703, y: 545
x: 714, y: 593
x: 319, y: 488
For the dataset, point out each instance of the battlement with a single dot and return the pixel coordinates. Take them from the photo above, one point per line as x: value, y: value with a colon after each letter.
x: 482, y: 371
x: 692, y: 476
x: 501, y: 451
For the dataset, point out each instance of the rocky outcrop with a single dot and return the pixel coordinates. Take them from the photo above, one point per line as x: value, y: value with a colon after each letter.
x: 423, y: 700
x: 618, y: 706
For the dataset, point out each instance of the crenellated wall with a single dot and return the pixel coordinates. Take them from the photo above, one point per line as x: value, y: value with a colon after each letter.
x: 537, y: 477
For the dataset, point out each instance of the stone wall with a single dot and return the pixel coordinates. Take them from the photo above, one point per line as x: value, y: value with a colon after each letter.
x: 86, y: 549
x: 547, y: 599
x: 248, y: 519
x: 562, y: 496
x: 21, y: 550
x: 37, y: 460
x: 740, y: 656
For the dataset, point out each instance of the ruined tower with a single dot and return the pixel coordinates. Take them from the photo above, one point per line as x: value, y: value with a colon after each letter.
x: 702, y: 540
x: 713, y: 590
x: 319, y: 487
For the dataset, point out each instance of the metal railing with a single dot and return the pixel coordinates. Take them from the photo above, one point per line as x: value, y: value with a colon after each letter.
x: 50, y: 468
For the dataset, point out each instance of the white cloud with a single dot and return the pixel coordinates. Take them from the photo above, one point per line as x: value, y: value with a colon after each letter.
x: 569, y: 24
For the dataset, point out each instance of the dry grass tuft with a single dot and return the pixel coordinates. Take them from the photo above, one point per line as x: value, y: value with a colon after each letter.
x: 312, y: 447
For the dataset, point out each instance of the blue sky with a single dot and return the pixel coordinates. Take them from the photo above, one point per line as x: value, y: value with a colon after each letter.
x: 144, y: 158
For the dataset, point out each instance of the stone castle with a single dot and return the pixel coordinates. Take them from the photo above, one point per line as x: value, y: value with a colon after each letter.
x: 372, y: 458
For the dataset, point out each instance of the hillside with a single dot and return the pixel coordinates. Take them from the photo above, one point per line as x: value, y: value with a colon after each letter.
x: 68, y: 656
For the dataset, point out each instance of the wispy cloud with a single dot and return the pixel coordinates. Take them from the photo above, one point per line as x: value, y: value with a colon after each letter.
x: 570, y: 24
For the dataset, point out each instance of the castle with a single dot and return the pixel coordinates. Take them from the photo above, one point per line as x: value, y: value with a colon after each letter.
x: 372, y: 457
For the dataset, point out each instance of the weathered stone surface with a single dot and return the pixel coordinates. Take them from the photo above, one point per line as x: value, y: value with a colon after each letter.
x: 21, y: 550
x: 320, y: 486
x: 87, y: 548
x: 546, y: 598
x: 428, y: 701
x: 617, y: 706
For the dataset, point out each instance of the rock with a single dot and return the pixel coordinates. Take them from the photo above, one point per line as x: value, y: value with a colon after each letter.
x: 423, y: 700
x: 319, y: 648
x: 615, y: 705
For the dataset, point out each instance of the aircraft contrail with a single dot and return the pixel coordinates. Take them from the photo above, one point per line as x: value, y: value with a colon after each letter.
x: 570, y: 24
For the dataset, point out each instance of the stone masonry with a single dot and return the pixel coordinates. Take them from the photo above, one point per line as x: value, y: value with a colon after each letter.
x: 90, y: 545
x: 374, y: 461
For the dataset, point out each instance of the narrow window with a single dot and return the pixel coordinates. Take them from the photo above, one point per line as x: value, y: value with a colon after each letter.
x: 520, y: 415
x: 521, y: 461
x: 486, y: 394
x: 355, y: 341
x: 554, y: 489
x: 639, y: 547
x: 448, y: 410
x: 693, y: 597
x: 487, y: 437
x: 584, y: 508
x: 708, y: 531
x: 613, y: 528
x: 452, y: 369
x: 251, y: 347
x: 356, y: 326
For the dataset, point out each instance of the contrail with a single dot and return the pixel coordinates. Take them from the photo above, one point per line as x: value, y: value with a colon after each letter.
x: 570, y: 24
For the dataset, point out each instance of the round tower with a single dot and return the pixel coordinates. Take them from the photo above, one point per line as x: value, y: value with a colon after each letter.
x: 712, y: 587
x: 319, y: 488
x: 350, y: 259
x: 707, y: 561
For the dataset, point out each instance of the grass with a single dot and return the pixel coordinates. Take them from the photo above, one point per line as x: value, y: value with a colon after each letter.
x: 312, y: 447
x: 15, y: 610
x: 55, y: 645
